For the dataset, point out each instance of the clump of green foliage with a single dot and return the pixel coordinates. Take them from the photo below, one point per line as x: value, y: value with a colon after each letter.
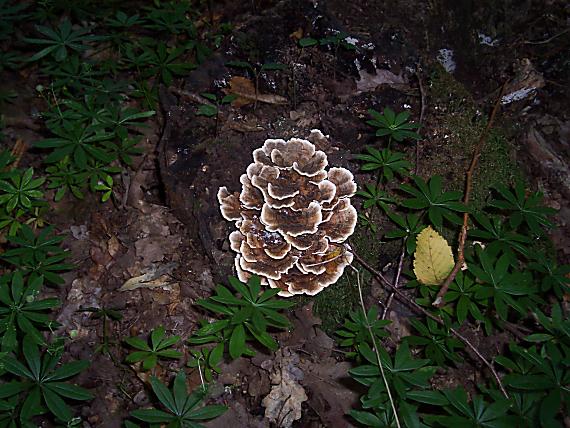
x: 41, y: 388
x: 160, y: 347
x: 245, y: 318
x: 99, y: 71
x: 181, y: 408
x: 507, y: 282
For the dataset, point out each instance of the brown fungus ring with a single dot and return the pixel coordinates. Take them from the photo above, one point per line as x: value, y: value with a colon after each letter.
x: 292, y: 217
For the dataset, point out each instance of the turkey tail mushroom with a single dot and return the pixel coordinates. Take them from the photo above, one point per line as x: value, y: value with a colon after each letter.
x: 292, y: 216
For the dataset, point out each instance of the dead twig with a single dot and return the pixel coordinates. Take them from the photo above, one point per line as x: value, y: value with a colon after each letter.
x: 545, y: 41
x: 410, y: 303
x: 191, y: 96
x: 396, y: 280
x: 438, y: 302
x: 423, y: 107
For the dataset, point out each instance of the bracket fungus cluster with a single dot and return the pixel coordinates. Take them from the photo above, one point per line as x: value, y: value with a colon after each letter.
x: 292, y: 217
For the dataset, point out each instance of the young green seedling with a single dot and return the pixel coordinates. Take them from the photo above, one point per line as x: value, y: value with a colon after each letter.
x: 395, y: 126
x: 181, y: 408
x: 159, y: 348
x: 213, y: 110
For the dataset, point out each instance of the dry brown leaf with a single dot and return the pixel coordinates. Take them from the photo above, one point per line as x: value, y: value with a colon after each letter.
x: 18, y: 151
x: 283, y: 404
x: 297, y: 34
x: 244, y: 88
x: 156, y: 276
x: 113, y: 246
x: 369, y: 82
x: 241, y: 85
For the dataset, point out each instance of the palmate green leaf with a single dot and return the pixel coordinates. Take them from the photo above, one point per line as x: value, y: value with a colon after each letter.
x: 82, y: 144
x: 252, y: 309
x: 60, y: 40
x: 386, y: 162
x: 22, y: 192
x: 179, y: 403
x: 41, y: 385
x: 159, y: 348
x: 551, y: 275
x: 499, y: 238
x: 374, y: 196
x: 439, y: 204
x: 395, y: 126
x: 476, y: 413
x: 528, y: 210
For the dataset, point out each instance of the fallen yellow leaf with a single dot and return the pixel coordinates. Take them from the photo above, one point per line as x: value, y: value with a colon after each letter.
x: 433, y: 259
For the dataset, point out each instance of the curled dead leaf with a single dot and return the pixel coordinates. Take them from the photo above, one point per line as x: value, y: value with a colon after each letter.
x: 244, y: 88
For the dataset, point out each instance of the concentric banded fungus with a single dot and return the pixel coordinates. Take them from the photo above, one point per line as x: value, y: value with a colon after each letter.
x: 292, y: 216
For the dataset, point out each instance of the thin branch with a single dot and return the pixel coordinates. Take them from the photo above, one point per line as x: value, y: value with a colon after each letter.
x: 543, y: 42
x: 396, y: 280
x: 408, y: 301
x: 422, y: 113
x: 439, y: 302
x: 191, y: 96
x: 375, y: 345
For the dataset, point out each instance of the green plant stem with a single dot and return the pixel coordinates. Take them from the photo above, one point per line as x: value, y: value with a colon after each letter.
x: 375, y: 345
x: 412, y: 304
